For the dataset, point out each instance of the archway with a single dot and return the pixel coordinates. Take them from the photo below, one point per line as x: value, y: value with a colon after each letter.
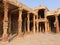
x: 41, y: 27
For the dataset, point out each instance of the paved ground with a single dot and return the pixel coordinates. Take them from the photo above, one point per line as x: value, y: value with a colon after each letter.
x: 36, y: 39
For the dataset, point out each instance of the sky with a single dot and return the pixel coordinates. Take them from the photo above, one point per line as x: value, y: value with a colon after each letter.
x: 50, y: 4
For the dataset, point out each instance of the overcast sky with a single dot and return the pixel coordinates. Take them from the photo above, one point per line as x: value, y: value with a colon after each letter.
x: 51, y: 4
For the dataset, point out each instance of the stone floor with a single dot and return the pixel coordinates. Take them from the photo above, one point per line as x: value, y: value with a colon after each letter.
x: 36, y: 39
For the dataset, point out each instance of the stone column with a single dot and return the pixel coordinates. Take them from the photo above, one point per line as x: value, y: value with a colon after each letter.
x: 57, y: 25
x: 46, y: 25
x: 34, y: 23
x: 9, y: 25
x: 37, y: 24
x: 28, y: 22
x: 40, y: 29
x: 20, y: 23
x: 46, y: 22
x: 5, y: 22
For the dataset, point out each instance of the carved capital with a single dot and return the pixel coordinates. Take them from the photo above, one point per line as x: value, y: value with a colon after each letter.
x: 20, y: 9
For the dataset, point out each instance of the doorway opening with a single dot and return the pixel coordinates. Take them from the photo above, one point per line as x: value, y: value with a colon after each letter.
x: 41, y: 13
x: 41, y: 27
x: 51, y: 20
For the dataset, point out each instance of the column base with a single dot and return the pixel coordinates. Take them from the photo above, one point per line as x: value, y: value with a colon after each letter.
x: 46, y: 31
x: 34, y: 31
x: 27, y: 33
x: 57, y: 31
x: 19, y: 35
x: 5, y: 38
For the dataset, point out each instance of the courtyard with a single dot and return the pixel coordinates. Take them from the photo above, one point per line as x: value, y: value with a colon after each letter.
x: 35, y: 39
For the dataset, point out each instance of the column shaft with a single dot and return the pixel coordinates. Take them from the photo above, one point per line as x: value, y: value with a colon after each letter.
x: 37, y: 23
x: 57, y: 25
x: 28, y: 23
x: 40, y: 29
x: 20, y: 23
x: 5, y: 22
x: 46, y: 26
x: 34, y: 23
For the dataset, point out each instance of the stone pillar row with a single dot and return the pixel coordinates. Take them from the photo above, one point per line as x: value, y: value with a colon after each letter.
x: 5, y: 22
x: 47, y: 28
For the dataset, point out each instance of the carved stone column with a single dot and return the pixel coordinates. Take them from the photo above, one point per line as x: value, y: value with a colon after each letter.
x: 46, y: 22
x: 37, y: 24
x: 28, y: 22
x: 40, y: 29
x: 34, y: 23
x: 46, y: 30
x: 9, y: 25
x: 48, y: 27
x: 57, y: 25
x: 5, y: 22
x: 20, y: 23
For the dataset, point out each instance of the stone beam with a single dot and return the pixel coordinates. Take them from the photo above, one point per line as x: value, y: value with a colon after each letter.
x: 14, y: 10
